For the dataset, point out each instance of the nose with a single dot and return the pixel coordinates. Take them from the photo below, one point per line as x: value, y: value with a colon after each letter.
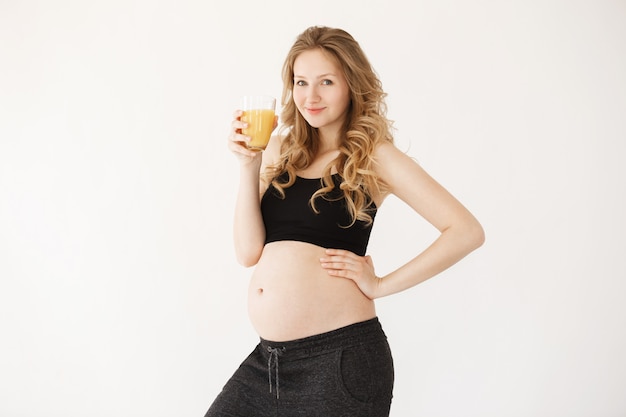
x: 312, y: 94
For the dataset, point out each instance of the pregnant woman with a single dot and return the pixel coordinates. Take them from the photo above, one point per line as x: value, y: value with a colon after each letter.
x: 304, y: 212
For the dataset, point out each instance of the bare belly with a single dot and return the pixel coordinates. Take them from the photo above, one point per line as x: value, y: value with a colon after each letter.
x: 291, y: 296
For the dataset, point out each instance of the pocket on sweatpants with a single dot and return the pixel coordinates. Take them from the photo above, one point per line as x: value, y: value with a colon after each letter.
x: 366, y: 372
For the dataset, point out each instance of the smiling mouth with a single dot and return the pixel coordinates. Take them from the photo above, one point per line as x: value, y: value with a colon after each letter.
x: 314, y: 111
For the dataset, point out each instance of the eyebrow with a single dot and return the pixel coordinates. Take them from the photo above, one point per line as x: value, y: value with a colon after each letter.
x: 319, y: 76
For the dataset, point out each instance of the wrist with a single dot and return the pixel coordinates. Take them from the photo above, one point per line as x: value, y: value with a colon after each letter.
x: 379, y: 289
x: 250, y: 168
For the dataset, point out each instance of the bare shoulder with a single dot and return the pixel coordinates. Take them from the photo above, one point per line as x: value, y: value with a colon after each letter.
x: 395, y: 168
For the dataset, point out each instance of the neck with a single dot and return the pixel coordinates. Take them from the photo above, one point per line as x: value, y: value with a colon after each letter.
x: 328, y: 141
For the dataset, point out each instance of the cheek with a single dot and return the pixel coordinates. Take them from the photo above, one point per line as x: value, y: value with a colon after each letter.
x: 342, y: 101
x: 297, y: 97
x: 298, y: 100
x: 341, y: 97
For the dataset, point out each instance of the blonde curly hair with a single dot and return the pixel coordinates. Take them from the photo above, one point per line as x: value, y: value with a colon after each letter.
x: 365, y: 127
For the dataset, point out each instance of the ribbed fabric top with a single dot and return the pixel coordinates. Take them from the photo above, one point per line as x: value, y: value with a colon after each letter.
x: 292, y: 218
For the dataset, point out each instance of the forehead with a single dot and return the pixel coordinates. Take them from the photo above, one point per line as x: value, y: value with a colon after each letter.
x: 315, y: 62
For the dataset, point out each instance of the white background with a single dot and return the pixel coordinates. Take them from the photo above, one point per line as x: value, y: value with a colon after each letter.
x: 119, y: 291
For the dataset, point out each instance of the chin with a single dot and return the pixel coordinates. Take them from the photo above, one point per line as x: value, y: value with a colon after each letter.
x: 313, y: 124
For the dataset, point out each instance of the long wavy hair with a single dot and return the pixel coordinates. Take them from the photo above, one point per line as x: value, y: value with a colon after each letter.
x: 366, y: 125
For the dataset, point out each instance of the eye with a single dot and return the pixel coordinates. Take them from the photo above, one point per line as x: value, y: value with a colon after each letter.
x: 300, y: 83
x: 327, y: 82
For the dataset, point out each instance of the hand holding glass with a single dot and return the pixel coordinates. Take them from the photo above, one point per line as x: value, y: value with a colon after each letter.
x: 258, y: 112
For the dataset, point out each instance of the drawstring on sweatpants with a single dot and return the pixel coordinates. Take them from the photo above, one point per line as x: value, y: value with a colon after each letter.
x: 274, y: 353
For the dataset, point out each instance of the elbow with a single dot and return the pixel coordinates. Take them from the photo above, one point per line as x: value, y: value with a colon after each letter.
x: 246, y: 263
x: 468, y: 234
x: 476, y: 236
x: 248, y: 251
x: 248, y: 259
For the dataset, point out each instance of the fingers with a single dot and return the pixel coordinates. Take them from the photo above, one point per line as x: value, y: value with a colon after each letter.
x: 236, y: 127
x: 344, y: 256
x: 340, y: 268
x: 237, y: 140
x: 342, y: 262
x: 341, y: 252
x: 359, y: 269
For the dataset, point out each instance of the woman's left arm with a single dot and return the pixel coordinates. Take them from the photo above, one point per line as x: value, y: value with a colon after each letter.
x: 460, y: 232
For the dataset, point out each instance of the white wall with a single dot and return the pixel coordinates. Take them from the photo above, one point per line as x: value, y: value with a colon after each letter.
x: 119, y: 292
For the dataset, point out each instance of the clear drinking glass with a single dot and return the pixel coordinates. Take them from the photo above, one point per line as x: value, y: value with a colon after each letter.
x: 259, y: 113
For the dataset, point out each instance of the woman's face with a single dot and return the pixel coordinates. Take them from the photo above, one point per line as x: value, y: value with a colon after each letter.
x: 320, y: 91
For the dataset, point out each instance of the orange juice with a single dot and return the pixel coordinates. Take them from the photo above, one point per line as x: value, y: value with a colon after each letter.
x: 260, y: 126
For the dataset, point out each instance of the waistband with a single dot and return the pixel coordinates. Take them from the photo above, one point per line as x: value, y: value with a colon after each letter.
x: 344, y: 337
x: 351, y: 335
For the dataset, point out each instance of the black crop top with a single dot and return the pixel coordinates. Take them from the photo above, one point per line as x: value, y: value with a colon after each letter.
x: 293, y: 218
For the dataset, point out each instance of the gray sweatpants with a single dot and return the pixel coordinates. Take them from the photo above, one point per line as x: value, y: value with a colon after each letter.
x: 346, y: 372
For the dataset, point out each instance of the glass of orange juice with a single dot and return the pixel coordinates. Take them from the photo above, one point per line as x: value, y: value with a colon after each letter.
x: 258, y: 112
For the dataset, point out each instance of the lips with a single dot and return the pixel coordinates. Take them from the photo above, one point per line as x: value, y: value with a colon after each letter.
x: 314, y: 111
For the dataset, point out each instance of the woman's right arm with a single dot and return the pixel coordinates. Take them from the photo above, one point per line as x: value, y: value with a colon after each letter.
x: 248, y: 228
